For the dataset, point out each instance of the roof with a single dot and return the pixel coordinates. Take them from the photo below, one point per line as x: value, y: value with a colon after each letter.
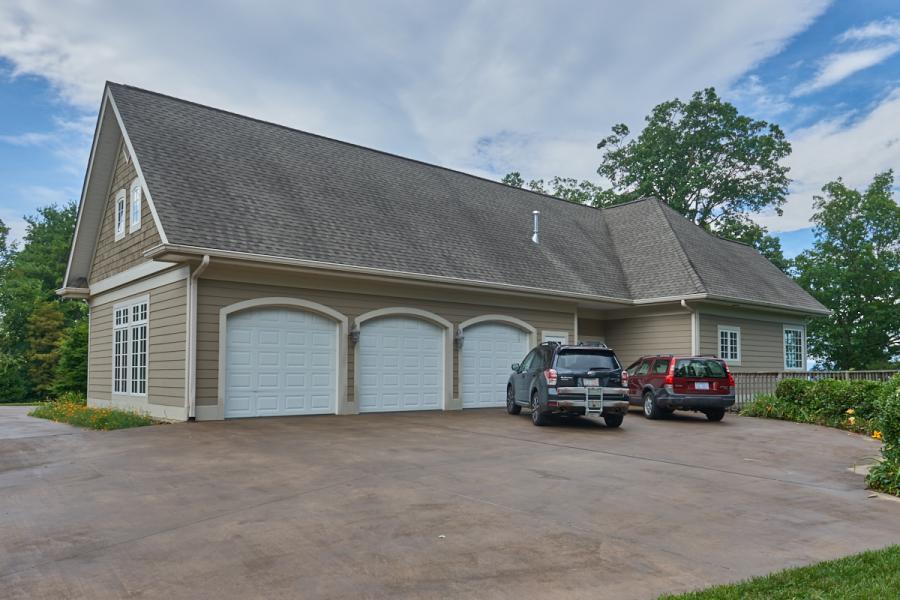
x: 223, y: 181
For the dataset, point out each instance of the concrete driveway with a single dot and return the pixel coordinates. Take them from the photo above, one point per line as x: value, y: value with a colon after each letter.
x: 424, y: 505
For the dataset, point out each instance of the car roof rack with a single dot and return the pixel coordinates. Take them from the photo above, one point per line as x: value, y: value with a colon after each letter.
x: 593, y: 344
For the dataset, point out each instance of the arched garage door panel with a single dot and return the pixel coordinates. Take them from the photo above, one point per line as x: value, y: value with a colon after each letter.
x: 280, y: 361
x: 488, y: 351
x: 401, y: 365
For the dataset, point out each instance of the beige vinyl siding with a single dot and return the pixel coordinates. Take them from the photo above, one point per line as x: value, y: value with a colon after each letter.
x: 166, y: 351
x: 660, y: 334
x: 762, y: 340
x: 591, y: 330
x: 351, y: 297
x: 114, y: 256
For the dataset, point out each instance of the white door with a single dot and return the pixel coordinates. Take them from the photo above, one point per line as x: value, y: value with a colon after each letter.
x: 280, y: 361
x: 487, y: 353
x: 401, y: 365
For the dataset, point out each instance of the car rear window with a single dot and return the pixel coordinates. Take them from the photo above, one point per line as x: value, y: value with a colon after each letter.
x: 699, y: 367
x: 584, y: 360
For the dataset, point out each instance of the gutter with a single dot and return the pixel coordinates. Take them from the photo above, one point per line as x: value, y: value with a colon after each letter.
x: 71, y: 292
x: 191, y: 379
x: 695, y: 328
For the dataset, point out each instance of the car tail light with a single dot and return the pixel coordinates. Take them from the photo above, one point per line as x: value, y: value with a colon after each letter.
x: 550, y: 376
x: 624, y: 378
x: 730, y: 376
x: 669, y: 381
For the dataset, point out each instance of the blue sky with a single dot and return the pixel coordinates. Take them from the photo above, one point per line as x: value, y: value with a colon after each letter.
x: 485, y: 87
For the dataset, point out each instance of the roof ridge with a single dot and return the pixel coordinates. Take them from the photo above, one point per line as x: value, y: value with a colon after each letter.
x: 693, y: 271
x: 352, y: 144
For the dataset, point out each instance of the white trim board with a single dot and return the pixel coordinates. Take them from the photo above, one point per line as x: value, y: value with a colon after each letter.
x: 141, y: 287
x: 139, y: 271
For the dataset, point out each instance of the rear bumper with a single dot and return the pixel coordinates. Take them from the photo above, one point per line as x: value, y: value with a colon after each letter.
x: 689, y: 402
x: 574, y: 399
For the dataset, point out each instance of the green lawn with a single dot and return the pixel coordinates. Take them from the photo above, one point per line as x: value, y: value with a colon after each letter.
x: 874, y: 574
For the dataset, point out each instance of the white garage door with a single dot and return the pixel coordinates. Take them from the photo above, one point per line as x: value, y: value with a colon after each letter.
x: 487, y: 353
x: 401, y: 365
x: 280, y: 361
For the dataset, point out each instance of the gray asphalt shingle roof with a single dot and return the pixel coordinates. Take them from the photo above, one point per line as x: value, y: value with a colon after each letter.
x: 224, y: 181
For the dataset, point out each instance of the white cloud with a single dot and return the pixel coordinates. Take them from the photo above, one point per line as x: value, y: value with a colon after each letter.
x: 30, y: 138
x: 854, y: 150
x: 482, y: 86
x: 839, y: 66
x: 886, y: 28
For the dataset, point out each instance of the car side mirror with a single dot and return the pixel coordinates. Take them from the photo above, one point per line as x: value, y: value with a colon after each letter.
x: 515, y: 366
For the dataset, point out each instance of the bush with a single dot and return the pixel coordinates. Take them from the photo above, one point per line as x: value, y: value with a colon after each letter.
x: 885, y: 476
x: 13, y: 380
x: 792, y: 390
x: 72, y: 408
x: 772, y: 407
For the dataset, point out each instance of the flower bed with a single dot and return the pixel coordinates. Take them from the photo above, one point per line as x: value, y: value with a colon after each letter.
x: 73, y: 409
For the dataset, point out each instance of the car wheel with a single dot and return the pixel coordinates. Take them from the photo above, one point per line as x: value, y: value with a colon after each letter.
x: 613, y: 421
x: 537, y: 417
x: 651, y: 410
x: 715, y: 414
x: 511, y: 406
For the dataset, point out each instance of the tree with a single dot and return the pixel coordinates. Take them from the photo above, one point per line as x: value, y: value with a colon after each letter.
x: 703, y: 158
x: 44, y: 332
x: 29, y: 307
x: 70, y: 374
x: 854, y: 270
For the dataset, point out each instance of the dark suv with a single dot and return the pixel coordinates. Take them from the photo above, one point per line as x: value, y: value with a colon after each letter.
x: 571, y: 380
x: 663, y: 384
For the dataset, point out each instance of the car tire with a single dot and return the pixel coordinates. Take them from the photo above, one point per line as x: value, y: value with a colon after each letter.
x: 613, y: 421
x: 715, y: 414
x: 511, y: 406
x: 538, y: 418
x: 651, y: 410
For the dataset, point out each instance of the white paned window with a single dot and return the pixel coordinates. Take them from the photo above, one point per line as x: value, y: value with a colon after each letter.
x: 793, y: 349
x: 135, y: 223
x: 730, y: 343
x: 120, y: 214
x: 130, y: 323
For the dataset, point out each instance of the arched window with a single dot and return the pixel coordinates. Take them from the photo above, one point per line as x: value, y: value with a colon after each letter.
x: 135, y: 206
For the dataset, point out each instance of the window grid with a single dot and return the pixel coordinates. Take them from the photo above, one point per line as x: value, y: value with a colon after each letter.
x: 130, y: 347
x: 793, y: 348
x: 729, y: 344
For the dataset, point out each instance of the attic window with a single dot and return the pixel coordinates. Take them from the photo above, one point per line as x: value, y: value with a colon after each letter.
x: 135, y: 206
x: 120, y: 214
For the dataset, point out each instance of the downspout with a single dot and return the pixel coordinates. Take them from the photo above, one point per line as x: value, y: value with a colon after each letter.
x: 695, y: 328
x: 192, y: 338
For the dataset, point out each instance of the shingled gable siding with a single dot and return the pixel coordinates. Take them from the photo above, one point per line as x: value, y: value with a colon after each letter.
x: 114, y: 256
x: 762, y: 339
x: 352, y: 298
x: 649, y: 334
x: 166, y: 360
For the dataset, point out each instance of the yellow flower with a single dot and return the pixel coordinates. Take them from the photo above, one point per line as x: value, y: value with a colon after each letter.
x: 876, y: 435
x: 852, y: 420
x: 850, y: 411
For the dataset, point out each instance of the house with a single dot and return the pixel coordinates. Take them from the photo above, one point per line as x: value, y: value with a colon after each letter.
x: 235, y: 267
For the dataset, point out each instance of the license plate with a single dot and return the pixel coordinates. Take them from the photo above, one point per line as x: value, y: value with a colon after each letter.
x: 701, y: 385
x: 592, y: 382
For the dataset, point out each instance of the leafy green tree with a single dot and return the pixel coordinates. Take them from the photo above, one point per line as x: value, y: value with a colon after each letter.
x: 703, y: 158
x: 44, y: 332
x: 854, y: 270
x: 29, y: 307
x: 13, y: 379
x: 70, y: 374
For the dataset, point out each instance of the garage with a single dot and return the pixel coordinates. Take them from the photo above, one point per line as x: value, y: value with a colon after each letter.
x: 488, y: 351
x: 280, y: 361
x: 400, y: 365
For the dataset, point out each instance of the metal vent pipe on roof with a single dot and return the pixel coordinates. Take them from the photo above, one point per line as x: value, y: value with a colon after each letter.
x: 537, y: 217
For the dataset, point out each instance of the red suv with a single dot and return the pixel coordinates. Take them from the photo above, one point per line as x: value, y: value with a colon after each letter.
x: 663, y: 384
